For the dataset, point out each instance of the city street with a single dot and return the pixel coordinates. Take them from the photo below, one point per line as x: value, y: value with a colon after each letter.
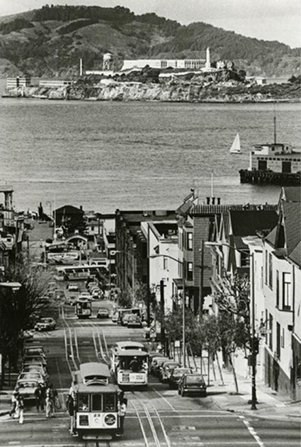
x: 155, y: 417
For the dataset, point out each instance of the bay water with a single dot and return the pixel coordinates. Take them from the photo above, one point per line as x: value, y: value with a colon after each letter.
x: 134, y: 155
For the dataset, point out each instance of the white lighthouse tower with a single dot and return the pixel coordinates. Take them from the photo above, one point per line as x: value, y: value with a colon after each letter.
x: 107, y: 62
x: 208, y: 63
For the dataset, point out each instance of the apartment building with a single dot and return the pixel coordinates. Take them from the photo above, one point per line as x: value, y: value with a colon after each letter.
x: 281, y: 287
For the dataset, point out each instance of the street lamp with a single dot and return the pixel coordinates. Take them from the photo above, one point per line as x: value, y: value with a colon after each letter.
x: 253, y: 338
x: 183, y: 304
x: 133, y: 265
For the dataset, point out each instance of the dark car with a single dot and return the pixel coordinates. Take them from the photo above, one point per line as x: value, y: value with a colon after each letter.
x: 166, y: 369
x: 103, y: 313
x: 156, y: 363
x: 176, y: 375
x: 192, y: 384
x: 134, y: 321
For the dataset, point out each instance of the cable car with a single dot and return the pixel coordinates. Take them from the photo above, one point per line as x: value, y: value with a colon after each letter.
x: 97, y: 402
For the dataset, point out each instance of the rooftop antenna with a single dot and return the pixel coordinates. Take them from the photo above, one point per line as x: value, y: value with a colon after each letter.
x: 212, y: 184
x: 275, y: 128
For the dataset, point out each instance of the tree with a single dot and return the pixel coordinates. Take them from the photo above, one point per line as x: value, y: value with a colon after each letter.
x: 233, y: 300
x: 17, y: 308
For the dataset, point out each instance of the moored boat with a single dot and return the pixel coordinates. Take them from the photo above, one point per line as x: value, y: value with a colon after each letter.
x: 273, y: 164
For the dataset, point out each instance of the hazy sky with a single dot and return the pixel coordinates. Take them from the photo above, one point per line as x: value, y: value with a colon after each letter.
x: 264, y: 19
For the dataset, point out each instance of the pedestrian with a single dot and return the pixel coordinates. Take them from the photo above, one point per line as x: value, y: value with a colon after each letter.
x: 21, y: 409
x: 14, y: 403
x: 122, y: 413
x: 49, y: 401
x: 37, y: 395
x: 42, y: 395
x: 71, y: 410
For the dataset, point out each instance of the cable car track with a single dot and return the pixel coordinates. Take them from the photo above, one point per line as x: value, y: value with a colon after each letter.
x: 147, y: 412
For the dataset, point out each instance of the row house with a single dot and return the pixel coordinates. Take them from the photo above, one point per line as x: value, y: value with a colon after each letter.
x: 237, y: 250
x: 281, y: 288
x: 11, y: 230
x: 164, y: 266
x: 132, y: 264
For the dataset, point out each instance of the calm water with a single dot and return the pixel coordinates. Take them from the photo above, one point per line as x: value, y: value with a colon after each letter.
x: 105, y: 155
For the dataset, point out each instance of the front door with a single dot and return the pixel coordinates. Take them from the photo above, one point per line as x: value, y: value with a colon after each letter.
x: 286, y: 167
x: 262, y: 165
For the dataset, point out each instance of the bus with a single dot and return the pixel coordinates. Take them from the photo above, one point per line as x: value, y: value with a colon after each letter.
x: 130, y: 366
x: 80, y: 272
x: 121, y: 313
x: 97, y: 402
x: 83, y: 308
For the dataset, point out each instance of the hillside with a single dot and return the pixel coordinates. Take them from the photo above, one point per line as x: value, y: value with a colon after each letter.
x: 50, y: 41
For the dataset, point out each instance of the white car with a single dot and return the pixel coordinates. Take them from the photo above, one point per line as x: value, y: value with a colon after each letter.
x: 27, y: 388
x: 34, y: 368
x: 32, y: 375
x: 45, y: 324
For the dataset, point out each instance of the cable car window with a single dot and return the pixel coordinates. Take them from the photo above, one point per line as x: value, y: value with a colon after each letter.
x: 109, y: 402
x: 83, y: 402
x: 96, y: 402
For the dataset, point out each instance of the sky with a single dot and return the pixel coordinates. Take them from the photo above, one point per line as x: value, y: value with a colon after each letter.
x: 263, y: 19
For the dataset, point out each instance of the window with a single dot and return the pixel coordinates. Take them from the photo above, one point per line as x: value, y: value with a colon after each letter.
x: 83, y: 402
x: 189, y: 271
x: 266, y: 267
x: 96, y: 402
x: 271, y: 332
x: 278, y: 340
x: 189, y: 241
x: 244, y: 259
x: 270, y: 271
x: 165, y: 263
x: 277, y: 288
x: 109, y: 402
x: 286, y: 291
x: 282, y: 339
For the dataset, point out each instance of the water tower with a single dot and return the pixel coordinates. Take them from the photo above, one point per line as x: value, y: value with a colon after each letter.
x: 107, y: 61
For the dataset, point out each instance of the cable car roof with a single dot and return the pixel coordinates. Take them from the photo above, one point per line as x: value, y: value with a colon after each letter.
x: 92, y: 370
x: 130, y: 353
x: 129, y: 345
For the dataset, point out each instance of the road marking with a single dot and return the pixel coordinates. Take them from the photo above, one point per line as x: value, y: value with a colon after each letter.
x: 168, y: 403
x: 252, y: 431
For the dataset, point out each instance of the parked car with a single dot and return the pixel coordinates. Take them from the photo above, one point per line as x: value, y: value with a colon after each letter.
x: 27, y: 335
x: 156, y: 364
x: 176, y: 375
x: 45, y: 324
x: 35, y: 358
x: 133, y: 320
x: 114, y: 317
x: 32, y: 375
x: 34, y: 350
x: 192, y: 384
x: 85, y: 296
x: 27, y: 388
x: 166, y: 369
x: 73, y: 288
x: 30, y: 367
x: 103, y: 312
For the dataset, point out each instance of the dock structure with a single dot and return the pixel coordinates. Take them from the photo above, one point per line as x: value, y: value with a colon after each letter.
x: 270, y: 178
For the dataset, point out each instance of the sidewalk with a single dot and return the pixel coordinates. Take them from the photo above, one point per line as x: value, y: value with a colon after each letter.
x: 270, y: 404
x: 5, y: 402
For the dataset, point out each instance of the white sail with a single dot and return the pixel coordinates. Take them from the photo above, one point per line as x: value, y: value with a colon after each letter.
x: 235, y: 148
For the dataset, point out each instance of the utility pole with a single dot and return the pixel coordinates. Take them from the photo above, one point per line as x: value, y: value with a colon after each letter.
x: 162, y: 313
x: 201, y: 281
x: 253, y: 344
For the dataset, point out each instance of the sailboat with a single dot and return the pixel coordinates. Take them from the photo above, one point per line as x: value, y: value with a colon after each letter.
x: 235, y: 148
